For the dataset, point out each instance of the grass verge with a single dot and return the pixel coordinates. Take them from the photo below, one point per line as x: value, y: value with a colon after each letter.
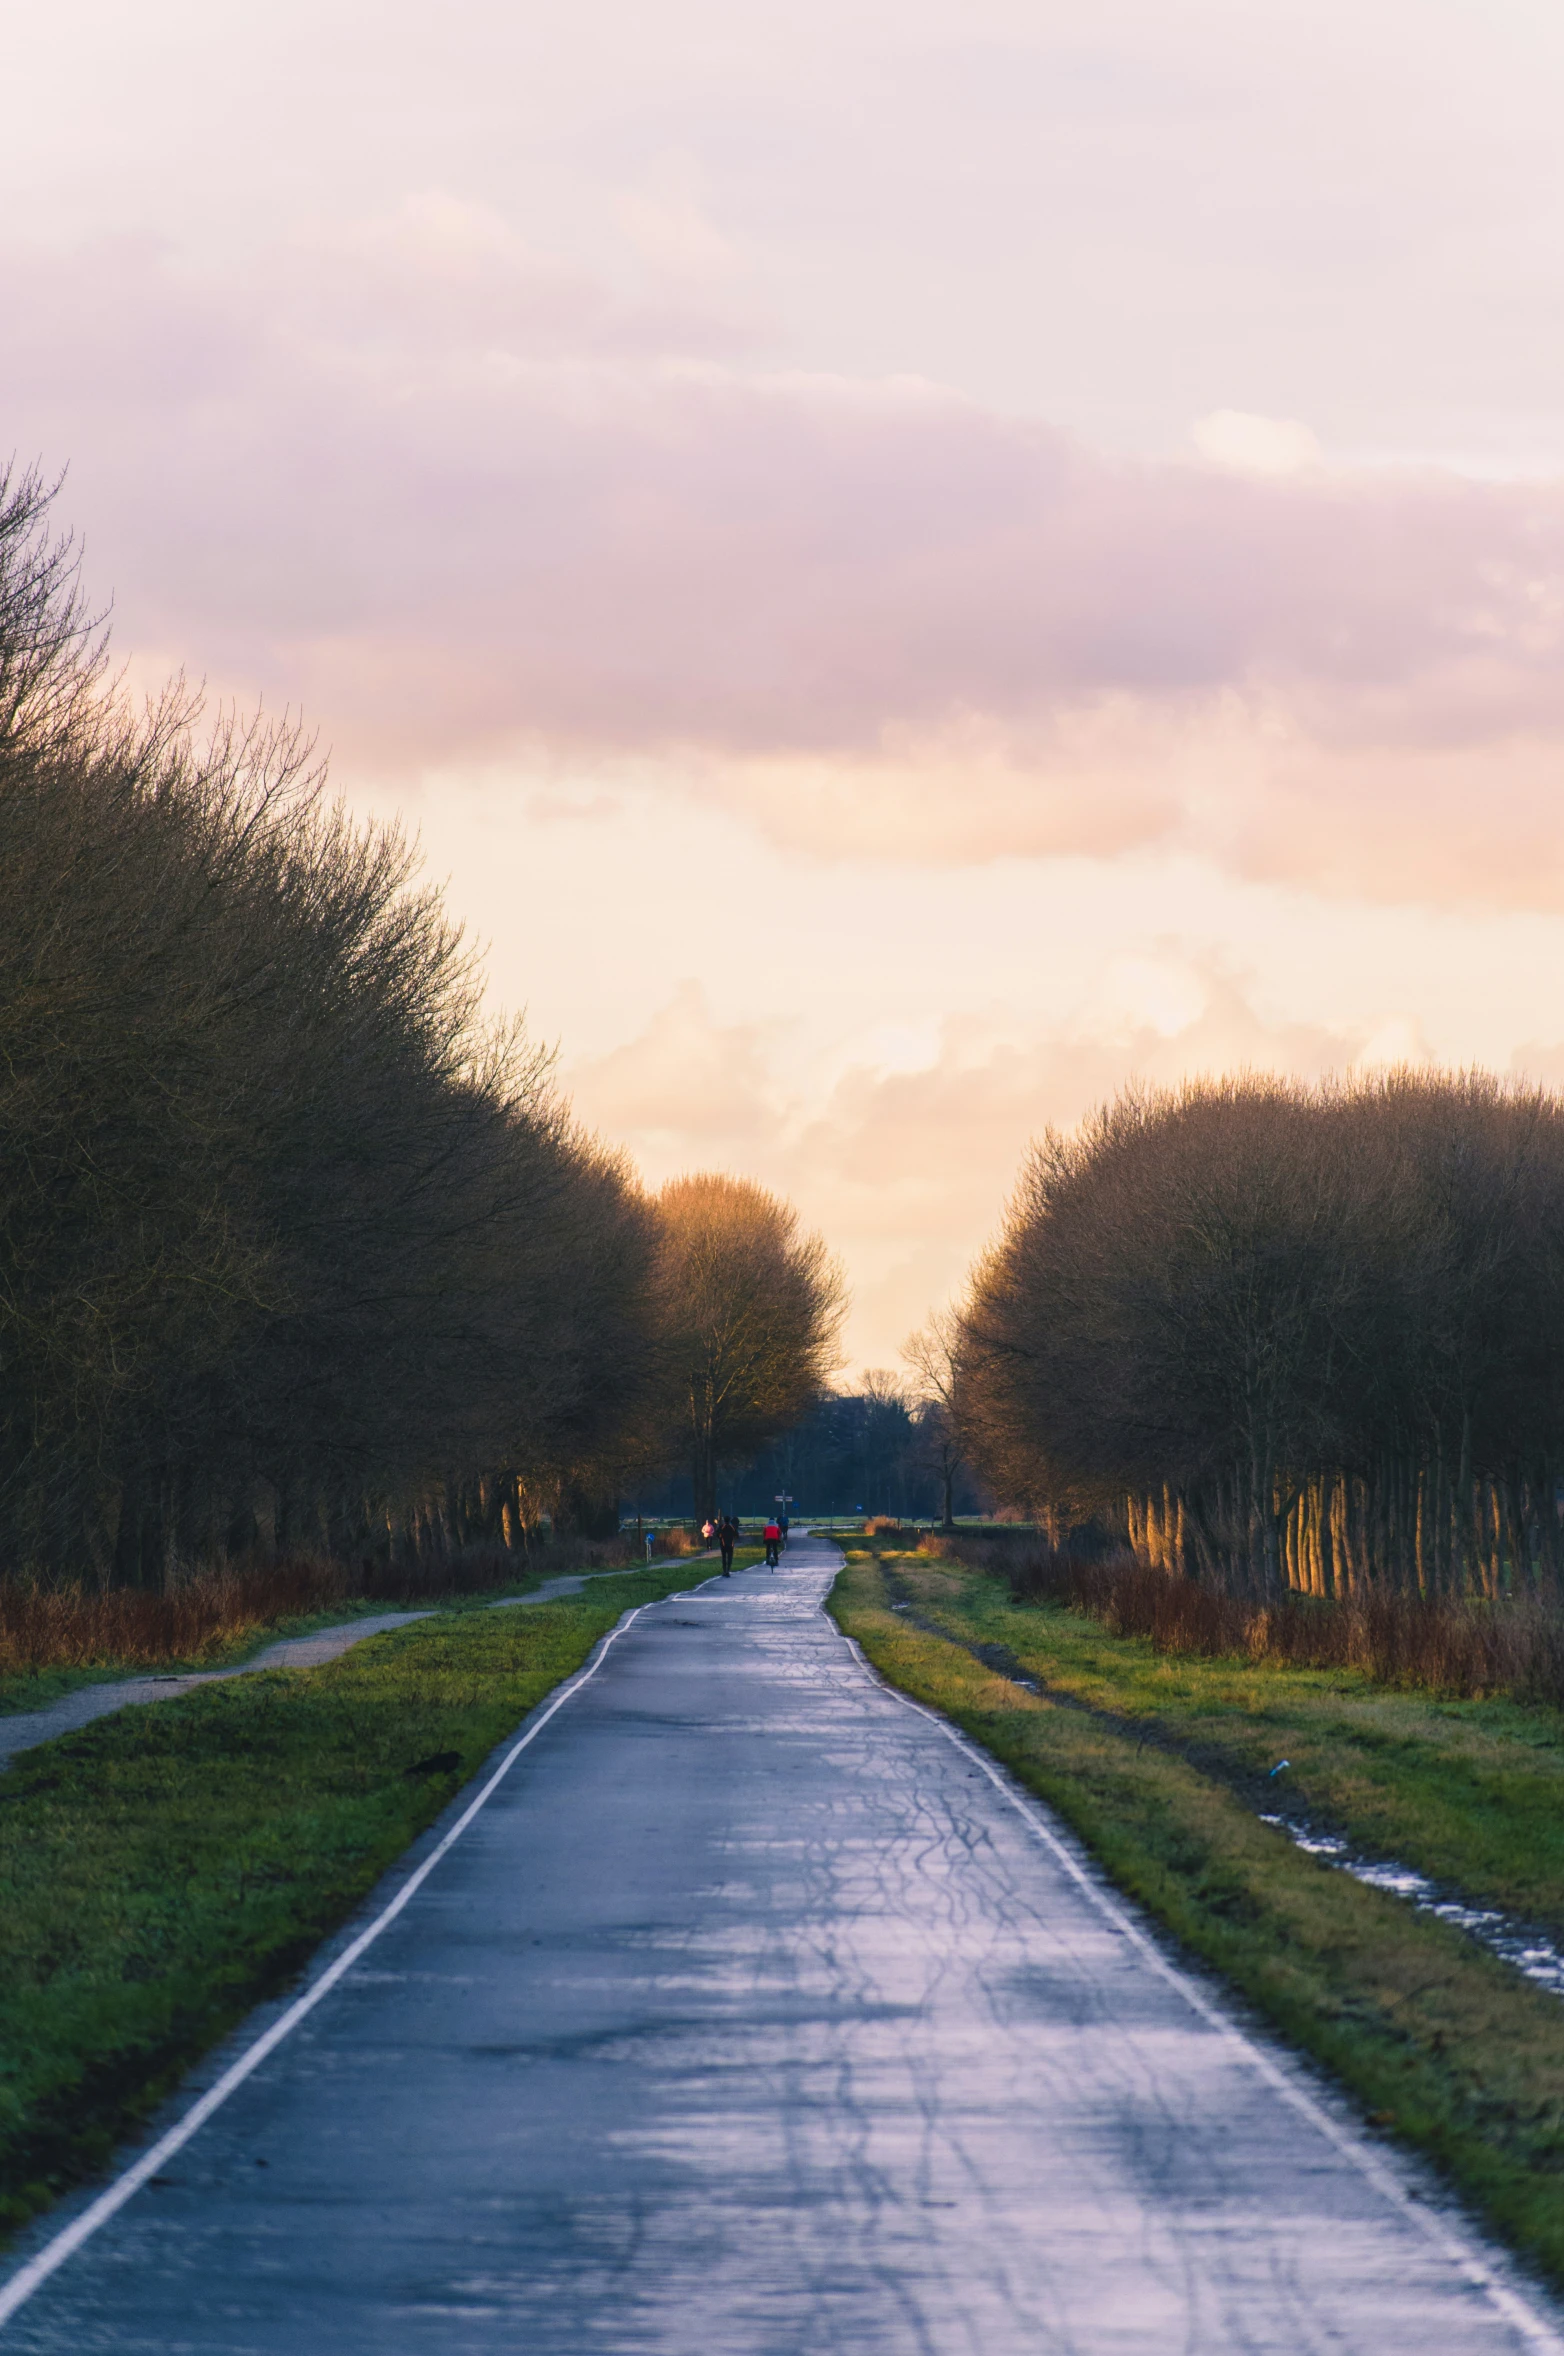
x: 219, y: 1621
x: 1154, y: 1764
x: 47, y: 1632
x: 34, y: 1689
x: 165, y: 1869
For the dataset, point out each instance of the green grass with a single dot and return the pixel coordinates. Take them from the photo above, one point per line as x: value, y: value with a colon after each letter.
x: 1469, y: 1792
x: 1438, y: 2041
x: 37, y: 1688
x: 165, y: 1869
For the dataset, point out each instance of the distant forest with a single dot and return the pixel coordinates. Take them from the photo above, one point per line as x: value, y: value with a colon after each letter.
x: 877, y: 1451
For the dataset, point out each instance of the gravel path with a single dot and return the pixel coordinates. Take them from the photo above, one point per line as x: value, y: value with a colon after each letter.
x: 23, y: 1729
x: 749, y: 2011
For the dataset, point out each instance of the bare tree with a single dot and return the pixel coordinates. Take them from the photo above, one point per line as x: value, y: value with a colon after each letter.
x: 751, y: 1313
x: 295, y: 1248
x: 53, y: 648
x: 934, y: 1356
x: 1289, y: 1336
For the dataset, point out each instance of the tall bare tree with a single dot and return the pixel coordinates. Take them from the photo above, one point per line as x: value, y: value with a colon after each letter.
x: 933, y: 1355
x: 295, y: 1248
x: 1286, y: 1335
x: 751, y: 1313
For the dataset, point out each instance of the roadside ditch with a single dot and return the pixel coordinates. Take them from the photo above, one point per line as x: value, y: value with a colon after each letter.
x: 1525, y: 1948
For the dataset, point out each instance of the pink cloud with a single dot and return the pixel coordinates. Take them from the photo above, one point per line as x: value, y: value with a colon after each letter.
x: 907, y: 1172
x: 693, y: 1092
x: 458, y: 501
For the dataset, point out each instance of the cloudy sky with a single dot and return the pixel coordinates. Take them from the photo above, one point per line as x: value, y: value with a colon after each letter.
x: 907, y: 562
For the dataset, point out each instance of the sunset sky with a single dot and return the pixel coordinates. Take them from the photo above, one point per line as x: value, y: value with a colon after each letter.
x: 908, y: 563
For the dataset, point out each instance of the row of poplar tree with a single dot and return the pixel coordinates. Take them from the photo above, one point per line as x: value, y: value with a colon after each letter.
x: 1282, y: 1336
x: 296, y: 1250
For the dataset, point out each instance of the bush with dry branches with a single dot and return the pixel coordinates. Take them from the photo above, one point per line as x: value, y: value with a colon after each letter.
x: 1285, y: 1338
x: 750, y: 1310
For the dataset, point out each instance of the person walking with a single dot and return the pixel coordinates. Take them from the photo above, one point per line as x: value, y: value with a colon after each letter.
x: 727, y: 1539
x: 773, y: 1545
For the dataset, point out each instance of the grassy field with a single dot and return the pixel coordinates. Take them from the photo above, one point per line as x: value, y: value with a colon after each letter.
x: 35, y: 1689
x: 232, y: 1647
x: 165, y: 1869
x: 1162, y: 1766
x: 53, y: 1640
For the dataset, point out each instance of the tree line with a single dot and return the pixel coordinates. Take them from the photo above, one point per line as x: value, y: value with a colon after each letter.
x: 1287, y: 1337
x: 298, y: 1251
x: 880, y: 1448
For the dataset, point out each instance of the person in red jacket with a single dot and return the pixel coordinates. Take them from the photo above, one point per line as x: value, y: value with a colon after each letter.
x: 773, y: 1545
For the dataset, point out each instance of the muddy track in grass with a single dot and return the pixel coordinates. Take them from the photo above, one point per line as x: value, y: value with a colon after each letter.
x: 1255, y: 1789
x: 1526, y: 1944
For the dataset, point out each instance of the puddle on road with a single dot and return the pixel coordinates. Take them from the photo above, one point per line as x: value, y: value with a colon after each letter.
x: 1525, y: 1950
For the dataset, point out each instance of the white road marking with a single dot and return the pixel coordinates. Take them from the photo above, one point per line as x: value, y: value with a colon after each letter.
x: 1531, y: 2326
x: 30, y: 2278
x: 69, y: 2240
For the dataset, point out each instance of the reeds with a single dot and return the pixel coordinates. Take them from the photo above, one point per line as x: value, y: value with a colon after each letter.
x: 1466, y: 1649
x: 70, y: 1628
x: 676, y: 1542
x: 201, y: 1618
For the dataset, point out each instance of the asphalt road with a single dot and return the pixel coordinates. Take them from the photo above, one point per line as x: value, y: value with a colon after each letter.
x: 753, y: 2014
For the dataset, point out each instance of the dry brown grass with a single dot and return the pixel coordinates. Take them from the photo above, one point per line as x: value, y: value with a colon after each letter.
x: 1466, y: 1649
x: 68, y: 1628
x: 677, y: 1543
x: 72, y: 1628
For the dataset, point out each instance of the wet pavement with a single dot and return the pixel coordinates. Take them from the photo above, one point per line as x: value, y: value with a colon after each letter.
x: 753, y: 2016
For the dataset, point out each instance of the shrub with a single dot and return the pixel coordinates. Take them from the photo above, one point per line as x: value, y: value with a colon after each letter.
x: 1463, y: 1648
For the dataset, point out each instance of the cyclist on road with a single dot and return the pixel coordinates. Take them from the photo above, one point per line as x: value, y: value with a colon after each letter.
x: 773, y: 1545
